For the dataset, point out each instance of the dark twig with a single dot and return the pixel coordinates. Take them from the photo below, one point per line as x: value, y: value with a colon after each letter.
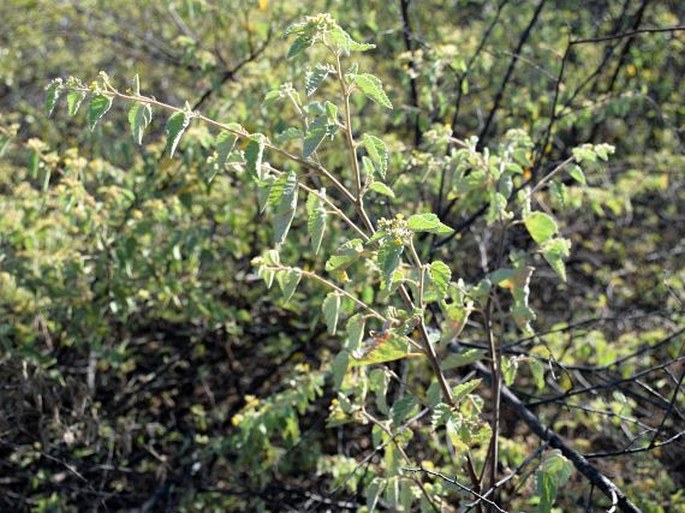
x: 581, y: 463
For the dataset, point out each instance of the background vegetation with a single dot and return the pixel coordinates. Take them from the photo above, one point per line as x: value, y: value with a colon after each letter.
x: 146, y: 367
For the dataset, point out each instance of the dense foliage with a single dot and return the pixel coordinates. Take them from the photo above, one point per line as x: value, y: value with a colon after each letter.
x: 418, y: 256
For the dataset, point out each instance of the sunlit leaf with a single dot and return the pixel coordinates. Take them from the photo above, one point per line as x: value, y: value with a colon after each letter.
x: 372, y: 87
x: 99, y: 105
x: 331, y: 311
x: 540, y: 226
x: 428, y: 223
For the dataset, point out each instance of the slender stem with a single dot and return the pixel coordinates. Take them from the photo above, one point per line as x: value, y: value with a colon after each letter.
x: 550, y: 175
x: 348, y: 130
x: 329, y: 284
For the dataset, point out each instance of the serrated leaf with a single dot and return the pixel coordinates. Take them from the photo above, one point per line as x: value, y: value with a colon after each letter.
x: 389, y: 258
x: 224, y: 143
x: 345, y: 255
x: 283, y: 200
x: 301, y: 43
x: 316, y: 132
x: 441, y: 275
x: 462, y: 358
x: 577, y: 174
x: 175, y: 127
x: 509, y: 368
x: 378, y: 152
x: 372, y: 87
x: 428, y: 223
x: 331, y: 311
x: 541, y: 226
x: 381, y: 188
x: 355, y: 332
x: 453, y: 429
x: 339, y: 368
x: 314, y: 77
x: 464, y: 389
x: 99, y: 105
x: 555, y: 251
x: 433, y: 394
x: 52, y: 94
x: 253, y: 156
x: 263, y: 190
x: 402, y: 409
x: 288, y: 280
x: 74, y: 100
x: 139, y: 117
x: 316, y: 219
x: 385, y: 347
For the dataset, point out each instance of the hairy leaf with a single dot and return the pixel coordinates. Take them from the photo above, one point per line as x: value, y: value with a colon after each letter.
x: 175, y: 127
x: 283, y: 200
x: 99, y: 105
x: 441, y: 275
x: 253, y: 156
x: 428, y: 223
x: 331, y: 311
x: 139, y: 117
x: 540, y: 226
x: 372, y: 87
x: 378, y: 152
x: 316, y: 219
x: 74, y: 100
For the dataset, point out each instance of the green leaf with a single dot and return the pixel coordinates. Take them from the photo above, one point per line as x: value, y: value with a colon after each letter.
x: 339, y: 368
x: 402, y: 409
x: 538, y: 372
x: 464, y: 389
x: 541, y: 226
x: 372, y: 87
x: 283, y: 200
x: 52, y: 94
x: 553, y: 474
x: 345, y: 255
x: 99, y: 105
x: 253, y: 156
x: 373, y: 493
x: 378, y: 152
x: 389, y: 258
x: 288, y: 280
x: 577, y: 174
x: 509, y: 368
x: 355, y: 332
x: 74, y: 100
x: 555, y: 251
x: 316, y: 219
x: 316, y: 132
x: 454, y: 432
x: 461, y: 359
x: 175, y: 127
x: 331, y: 311
x: 381, y: 188
x: 139, y: 118
x: 314, y: 77
x: 224, y: 143
x: 441, y: 275
x: 301, y: 43
x: 428, y: 223
x: 385, y: 347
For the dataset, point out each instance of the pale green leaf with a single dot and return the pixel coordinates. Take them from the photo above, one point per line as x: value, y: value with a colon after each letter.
x: 381, y: 188
x: 74, y: 100
x: 253, y: 156
x: 224, y: 143
x: 52, y: 94
x: 461, y: 359
x: 316, y: 219
x: 355, y: 332
x: 317, y: 131
x: 301, y: 43
x: 331, y: 311
x: 314, y: 77
x: 288, y: 280
x: 464, y: 389
x: 139, y: 117
x: 378, y: 152
x: 372, y: 87
x: 283, y: 200
x: 378, y: 384
x: 345, y: 255
x: 441, y: 275
x: 339, y: 368
x: 577, y: 174
x: 428, y: 223
x: 555, y: 252
x: 541, y: 226
x: 99, y: 105
x: 389, y: 258
x: 175, y: 127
